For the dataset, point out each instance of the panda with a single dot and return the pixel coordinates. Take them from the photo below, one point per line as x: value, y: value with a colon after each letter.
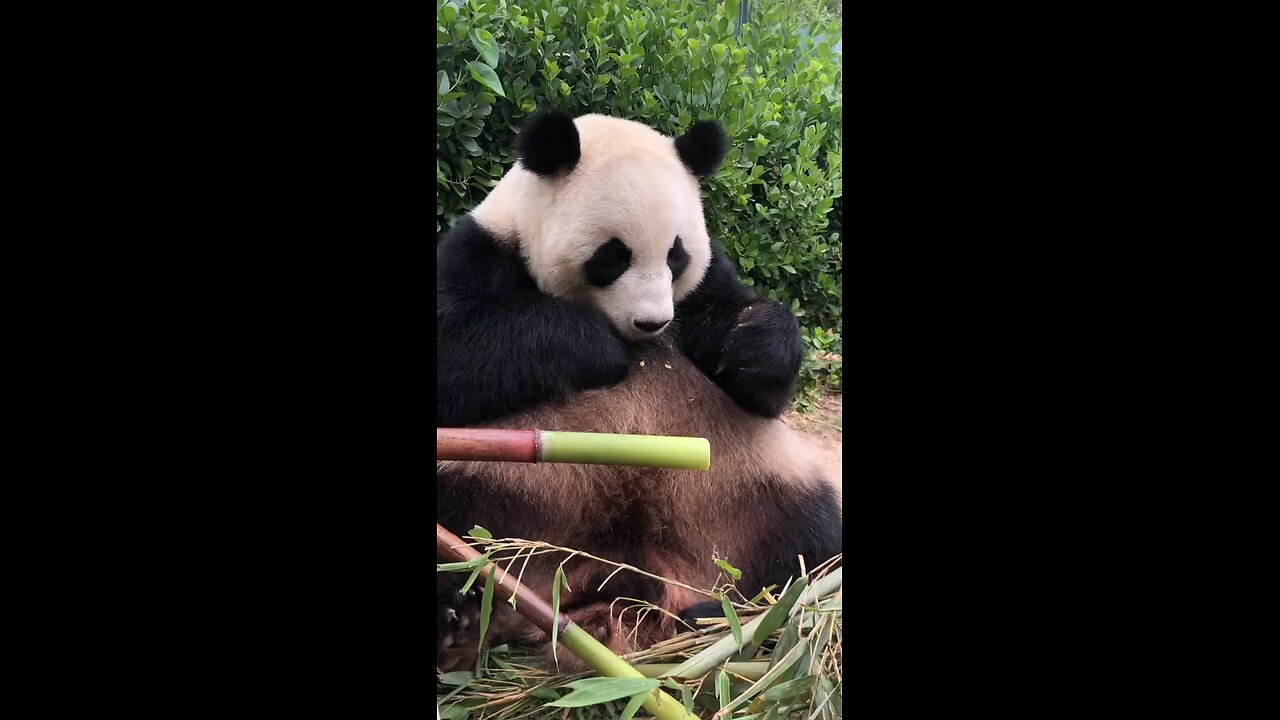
x: 585, y: 294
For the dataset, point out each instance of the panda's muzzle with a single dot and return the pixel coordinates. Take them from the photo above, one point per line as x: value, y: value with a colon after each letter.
x: 650, y: 326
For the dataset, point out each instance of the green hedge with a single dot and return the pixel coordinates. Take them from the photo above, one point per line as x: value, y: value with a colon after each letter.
x: 776, y: 204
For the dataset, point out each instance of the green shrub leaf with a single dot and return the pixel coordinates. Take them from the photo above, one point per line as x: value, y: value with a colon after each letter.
x: 484, y: 44
x: 666, y: 65
x: 485, y: 75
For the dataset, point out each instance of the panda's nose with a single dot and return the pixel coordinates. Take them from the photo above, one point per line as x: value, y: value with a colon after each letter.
x: 650, y: 326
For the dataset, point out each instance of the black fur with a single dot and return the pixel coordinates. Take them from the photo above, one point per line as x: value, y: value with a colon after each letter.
x: 708, y: 609
x: 501, y: 344
x: 450, y: 606
x: 797, y: 523
x: 747, y: 345
x: 703, y: 147
x: 548, y: 144
x: 677, y: 259
x: 607, y: 263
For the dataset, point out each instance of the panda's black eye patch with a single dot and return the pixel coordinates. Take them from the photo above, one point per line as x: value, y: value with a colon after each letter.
x: 677, y: 259
x: 608, y: 263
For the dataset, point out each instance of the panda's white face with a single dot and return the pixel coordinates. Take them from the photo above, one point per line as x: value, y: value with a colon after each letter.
x: 624, y: 229
x: 628, y: 234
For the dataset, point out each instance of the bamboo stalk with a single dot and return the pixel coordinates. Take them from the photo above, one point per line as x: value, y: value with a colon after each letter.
x: 532, y: 446
x: 707, y: 660
x: 751, y: 670
x: 497, y: 445
x: 577, y: 640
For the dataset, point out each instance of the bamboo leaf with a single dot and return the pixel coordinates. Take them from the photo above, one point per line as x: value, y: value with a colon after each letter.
x: 827, y: 692
x: 555, y: 611
x: 722, y: 689
x: 486, y: 603
x: 778, y: 613
x: 630, y: 710
x: 763, y: 593
x: 789, y: 638
x: 485, y: 76
x: 732, y: 571
x: 479, y: 532
x: 466, y: 587
x: 686, y: 698
x: 455, y: 712
x: 790, y: 689
x: 471, y: 564
x: 457, y: 678
x: 773, y: 674
x: 543, y: 693
x: 735, y: 626
x: 593, y: 691
x: 806, y: 654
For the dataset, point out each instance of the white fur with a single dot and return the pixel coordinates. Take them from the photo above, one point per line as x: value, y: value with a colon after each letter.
x: 628, y: 184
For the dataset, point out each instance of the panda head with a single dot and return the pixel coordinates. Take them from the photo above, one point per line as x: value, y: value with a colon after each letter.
x: 609, y: 210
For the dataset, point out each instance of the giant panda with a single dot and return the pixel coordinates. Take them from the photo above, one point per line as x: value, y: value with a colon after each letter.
x: 585, y: 294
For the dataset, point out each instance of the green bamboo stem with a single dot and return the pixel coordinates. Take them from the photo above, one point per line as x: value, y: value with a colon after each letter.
x: 751, y: 670
x: 725, y: 648
x: 534, y: 446
x: 594, y: 653
x: 690, y: 453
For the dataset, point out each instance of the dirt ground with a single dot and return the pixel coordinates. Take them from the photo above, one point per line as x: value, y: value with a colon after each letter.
x: 823, y: 428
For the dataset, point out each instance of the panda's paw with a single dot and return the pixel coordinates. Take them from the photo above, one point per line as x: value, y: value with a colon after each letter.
x: 690, y: 617
x: 762, y: 358
x: 607, y: 363
x: 454, y: 617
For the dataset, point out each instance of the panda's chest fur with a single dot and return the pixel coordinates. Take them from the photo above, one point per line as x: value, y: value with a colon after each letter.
x: 663, y: 394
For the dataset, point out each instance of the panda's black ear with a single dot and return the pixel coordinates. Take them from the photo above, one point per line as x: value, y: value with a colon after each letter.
x: 703, y: 147
x: 548, y: 143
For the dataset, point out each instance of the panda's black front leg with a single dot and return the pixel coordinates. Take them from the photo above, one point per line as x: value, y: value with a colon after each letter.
x: 501, y: 345
x: 747, y: 345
